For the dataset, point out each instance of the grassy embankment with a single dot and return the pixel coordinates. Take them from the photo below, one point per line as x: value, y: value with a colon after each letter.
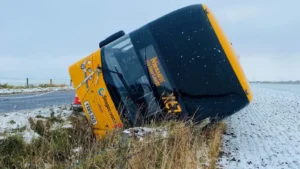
x: 186, y: 145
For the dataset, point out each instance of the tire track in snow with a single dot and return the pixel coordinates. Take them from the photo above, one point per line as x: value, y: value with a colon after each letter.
x: 266, y: 134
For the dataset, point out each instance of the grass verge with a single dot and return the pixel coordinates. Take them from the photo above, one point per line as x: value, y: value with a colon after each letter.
x: 215, y: 137
x: 8, y: 86
x: 184, y: 145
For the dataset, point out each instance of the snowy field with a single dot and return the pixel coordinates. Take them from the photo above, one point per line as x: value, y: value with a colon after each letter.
x: 266, y: 134
x: 12, y: 123
x: 34, y: 90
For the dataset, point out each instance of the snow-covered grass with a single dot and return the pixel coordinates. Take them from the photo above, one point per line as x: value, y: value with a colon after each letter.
x: 6, y: 91
x: 266, y: 134
x: 18, y: 122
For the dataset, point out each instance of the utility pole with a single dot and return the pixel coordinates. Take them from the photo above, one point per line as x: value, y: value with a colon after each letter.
x: 27, y: 82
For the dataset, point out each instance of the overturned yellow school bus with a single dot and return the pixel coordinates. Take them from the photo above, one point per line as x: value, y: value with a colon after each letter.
x: 179, y: 65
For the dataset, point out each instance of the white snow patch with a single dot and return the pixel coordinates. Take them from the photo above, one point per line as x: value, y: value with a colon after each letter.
x: 29, y: 134
x: 77, y: 150
x: 140, y: 132
x: 11, y: 122
x: 67, y: 126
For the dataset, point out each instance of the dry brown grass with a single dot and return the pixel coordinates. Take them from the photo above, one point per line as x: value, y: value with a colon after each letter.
x: 51, y: 85
x: 6, y: 86
x: 215, y: 137
x: 186, y: 146
x: 178, y: 150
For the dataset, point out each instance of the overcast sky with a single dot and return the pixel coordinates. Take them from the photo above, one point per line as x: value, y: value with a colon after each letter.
x: 40, y: 39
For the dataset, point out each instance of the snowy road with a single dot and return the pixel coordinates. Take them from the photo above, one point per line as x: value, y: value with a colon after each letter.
x: 31, y: 101
x: 266, y: 134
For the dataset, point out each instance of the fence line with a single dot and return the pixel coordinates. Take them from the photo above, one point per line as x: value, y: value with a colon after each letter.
x: 29, y: 82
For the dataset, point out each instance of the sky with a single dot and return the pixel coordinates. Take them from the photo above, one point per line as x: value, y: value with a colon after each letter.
x: 41, y: 39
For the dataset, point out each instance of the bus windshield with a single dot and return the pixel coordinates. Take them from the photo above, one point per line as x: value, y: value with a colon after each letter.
x: 120, y: 56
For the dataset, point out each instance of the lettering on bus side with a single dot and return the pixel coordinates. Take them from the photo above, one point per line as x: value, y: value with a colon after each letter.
x: 171, y: 104
x: 90, y: 112
x: 155, y: 72
x: 109, y: 109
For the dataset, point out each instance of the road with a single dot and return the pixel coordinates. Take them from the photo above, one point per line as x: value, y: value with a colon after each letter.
x: 266, y: 134
x: 31, y: 101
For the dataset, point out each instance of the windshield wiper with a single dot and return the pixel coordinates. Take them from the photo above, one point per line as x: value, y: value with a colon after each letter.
x: 121, y: 77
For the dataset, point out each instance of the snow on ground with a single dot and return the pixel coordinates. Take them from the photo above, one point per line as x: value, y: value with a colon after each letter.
x: 12, y: 122
x: 34, y: 90
x: 266, y: 134
x: 140, y: 132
